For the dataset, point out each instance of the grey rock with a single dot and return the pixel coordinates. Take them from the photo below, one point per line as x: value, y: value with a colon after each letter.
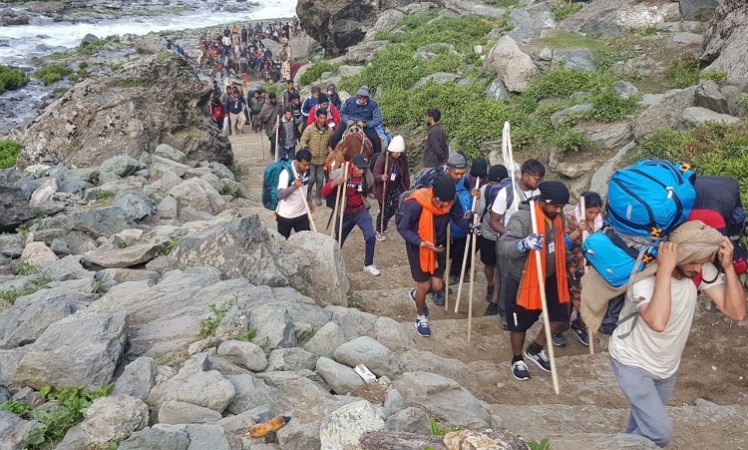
x: 43, y: 193
x: 9, y: 360
x: 696, y: 116
x: 392, y: 334
x: 190, y: 214
x: 38, y: 255
x: 167, y: 208
x: 669, y: 27
x: 608, y: 18
x: 411, y: 420
x: 642, y: 66
x: 74, y: 186
x: 345, y: 426
x: 327, y: 279
x: 73, y: 351
x: 576, y: 58
x: 364, y: 51
x: 121, y: 166
x: 570, y: 113
x: 342, y: 379
x: 60, y: 247
x: 113, y: 419
x: 527, y: 22
x: 651, y: 99
x: 725, y: 41
x: 275, y: 324
x: 166, y: 167
x: 365, y: 350
x: 546, y: 54
x: 497, y: 91
x: 432, y: 51
x: 601, y: 177
x: 221, y: 171
x: 683, y: 40
x: 353, y: 322
x: 299, y: 436
x: 666, y: 113
x: 15, y: 207
x: 169, y: 152
x: 14, y: 431
x: 112, y: 277
x: 211, y: 437
x: 611, y: 136
x: 199, y: 194
x: 136, y: 205
x: 208, y: 389
x: 173, y: 412
x: 394, y: 402
x: 326, y: 340
x: 87, y: 174
x: 691, y: 9
x: 350, y: 71
x: 708, y: 96
x: 98, y: 222
x: 626, y: 89
x: 137, y: 378
x: 124, y: 257
x: 386, y: 21
x: 380, y: 440
x: 161, y: 437
x: 438, y: 78
x: 292, y: 359
x: 245, y: 354
x: 514, y: 67
x: 126, y: 238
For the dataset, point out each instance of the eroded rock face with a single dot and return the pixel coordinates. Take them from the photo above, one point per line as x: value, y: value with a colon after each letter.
x: 128, y: 113
x: 726, y: 42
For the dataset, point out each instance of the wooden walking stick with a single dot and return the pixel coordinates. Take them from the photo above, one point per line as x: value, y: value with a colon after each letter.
x: 337, y: 204
x: 465, y: 255
x: 449, y: 266
x: 342, y: 205
x: 309, y: 214
x: 585, y: 233
x: 277, y: 133
x: 541, y: 284
x: 473, y: 242
x: 384, y: 189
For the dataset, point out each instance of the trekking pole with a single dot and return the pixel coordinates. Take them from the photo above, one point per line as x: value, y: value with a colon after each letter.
x: 473, y: 242
x: 583, y: 209
x: 465, y: 255
x: 262, y: 147
x: 342, y: 205
x: 277, y: 133
x: 541, y: 284
x: 384, y: 192
x: 449, y: 266
x: 337, y: 201
x: 309, y: 215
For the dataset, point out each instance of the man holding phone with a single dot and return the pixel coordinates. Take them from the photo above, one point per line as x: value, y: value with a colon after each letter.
x: 426, y: 213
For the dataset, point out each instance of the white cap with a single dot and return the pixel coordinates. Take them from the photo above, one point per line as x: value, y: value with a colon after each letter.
x: 397, y: 145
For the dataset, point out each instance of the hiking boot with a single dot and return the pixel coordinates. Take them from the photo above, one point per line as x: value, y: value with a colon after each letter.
x: 492, y: 310
x: 380, y: 236
x: 372, y: 270
x: 412, y: 296
x: 438, y: 298
x: 520, y: 371
x: 559, y: 340
x: 422, y: 327
x: 539, y: 358
x: 582, y: 336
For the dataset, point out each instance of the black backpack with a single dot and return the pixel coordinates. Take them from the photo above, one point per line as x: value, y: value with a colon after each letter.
x: 493, y: 192
x: 425, y: 178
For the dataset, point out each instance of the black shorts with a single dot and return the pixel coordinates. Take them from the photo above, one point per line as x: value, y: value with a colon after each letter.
x: 487, y: 250
x: 520, y: 319
x: 414, y: 260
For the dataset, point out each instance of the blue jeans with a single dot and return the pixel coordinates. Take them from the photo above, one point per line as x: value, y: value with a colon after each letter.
x: 362, y: 219
x: 647, y: 396
x: 288, y: 153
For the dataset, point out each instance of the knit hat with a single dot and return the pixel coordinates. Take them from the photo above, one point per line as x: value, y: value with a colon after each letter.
x: 331, y: 86
x: 456, y: 161
x: 363, y: 91
x: 444, y: 189
x: 397, y: 145
x: 360, y: 161
x: 479, y: 168
x: 554, y: 192
x: 497, y: 173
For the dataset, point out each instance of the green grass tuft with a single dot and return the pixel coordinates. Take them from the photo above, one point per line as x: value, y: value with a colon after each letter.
x: 12, y: 78
x: 9, y: 151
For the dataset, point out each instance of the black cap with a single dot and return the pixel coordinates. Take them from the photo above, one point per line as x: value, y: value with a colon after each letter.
x: 497, y: 173
x: 444, y: 189
x: 479, y: 168
x: 323, y: 98
x: 554, y: 192
x: 360, y: 161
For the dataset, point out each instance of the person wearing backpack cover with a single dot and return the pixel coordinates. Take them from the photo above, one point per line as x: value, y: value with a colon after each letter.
x: 426, y: 214
x: 523, y: 306
x: 292, y: 193
x: 397, y: 178
x: 355, y: 211
x: 317, y: 139
x: 498, y: 178
x: 646, y: 350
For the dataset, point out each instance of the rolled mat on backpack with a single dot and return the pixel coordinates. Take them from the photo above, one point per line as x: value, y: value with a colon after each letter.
x: 696, y: 241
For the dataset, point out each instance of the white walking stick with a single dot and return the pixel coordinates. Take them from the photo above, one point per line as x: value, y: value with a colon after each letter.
x: 506, y: 151
x: 449, y: 266
x: 583, y: 207
x: 465, y: 255
x: 541, y: 284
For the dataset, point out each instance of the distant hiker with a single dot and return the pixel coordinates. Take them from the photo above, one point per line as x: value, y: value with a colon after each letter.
x: 576, y: 224
x: 333, y: 95
x: 255, y: 107
x: 397, y: 177
x: 425, y: 217
x: 291, y: 213
x: 244, y: 34
x: 296, y: 109
x: 333, y: 115
x: 436, y: 152
x: 362, y: 111
x: 309, y: 103
x: 289, y: 93
x: 646, y: 354
x: 216, y: 110
x: 285, y: 58
x: 355, y: 212
x: 288, y: 136
x: 269, y: 119
x: 488, y: 237
x: 532, y: 172
x: 295, y: 68
x: 236, y: 112
x: 523, y: 306
x: 317, y: 139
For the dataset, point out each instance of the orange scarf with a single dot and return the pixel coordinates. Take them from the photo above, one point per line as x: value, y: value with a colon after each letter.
x: 426, y: 229
x: 529, y: 292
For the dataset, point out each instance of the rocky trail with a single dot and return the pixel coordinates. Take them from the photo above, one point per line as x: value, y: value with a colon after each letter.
x: 590, y: 404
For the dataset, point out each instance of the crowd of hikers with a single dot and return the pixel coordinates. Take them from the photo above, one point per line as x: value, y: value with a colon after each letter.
x: 633, y: 265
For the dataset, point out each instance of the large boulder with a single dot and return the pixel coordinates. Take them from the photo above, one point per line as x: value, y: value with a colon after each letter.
x: 114, y: 115
x: 666, y: 113
x: 726, y: 42
x: 113, y: 419
x: 344, y: 427
x: 514, y: 67
x: 15, y: 207
x: 607, y: 18
x: 696, y: 9
x: 365, y: 350
x: 14, y: 431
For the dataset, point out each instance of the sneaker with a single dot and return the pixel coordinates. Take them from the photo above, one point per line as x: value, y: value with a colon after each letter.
x: 412, y: 296
x: 520, y: 371
x: 582, y: 336
x: 372, y: 270
x: 318, y: 201
x: 559, y: 340
x: 438, y: 298
x: 540, y: 359
x: 492, y: 310
x: 454, y: 279
x: 422, y: 327
x: 380, y: 236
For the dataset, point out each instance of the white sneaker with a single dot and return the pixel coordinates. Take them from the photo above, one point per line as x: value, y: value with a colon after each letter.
x: 372, y: 269
x: 380, y: 236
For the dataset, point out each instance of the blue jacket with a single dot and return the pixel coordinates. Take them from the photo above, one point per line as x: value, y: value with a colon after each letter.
x: 308, y: 104
x: 369, y: 113
x: 466, y: 201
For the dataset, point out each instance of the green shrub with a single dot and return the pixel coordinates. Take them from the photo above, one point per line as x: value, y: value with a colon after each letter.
x: 115, y: 66
x: 685, y: 70
x: 572, y: 141
x: 503, y: 3
x: 561, y: 12
x: 717, y: 75
x: 9, y: 151
x: 313, y: 73
x: 609, y: 106
x: 52, y: 73
x: 12, y: 78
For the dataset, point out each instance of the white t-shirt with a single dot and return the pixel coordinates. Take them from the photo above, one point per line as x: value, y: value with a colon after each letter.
x: 659, y: 353
x: 500, y: 204
x: 292, y: 206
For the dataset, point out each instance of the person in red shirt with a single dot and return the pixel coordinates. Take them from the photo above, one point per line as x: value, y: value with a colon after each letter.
x: 333, y: 115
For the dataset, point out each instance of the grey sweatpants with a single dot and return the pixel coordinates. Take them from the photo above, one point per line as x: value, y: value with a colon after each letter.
x: 316, y: 178
x: 647, y: 396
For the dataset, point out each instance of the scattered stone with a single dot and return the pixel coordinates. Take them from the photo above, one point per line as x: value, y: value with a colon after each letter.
x: 15, y: 207
x: 651, y: 99
x: 136, y: 205
x: 137, y: 379
x: 291, y: 359
x: 626, y: 89
x: 725, y: 42
x: 684, y: 40
x: 162, y: 437
x: 353, y: 322
x: 514, y: 67
x: 342, y: 379
x: 696, y: 117
x: 299, y: 436
x: 611, y: 136
x: 410, y: 420
x: 246, y: 354
x: 708, y: 96
x: 570, y: 113
x: 393, y: 402
x: 476, y: 440
x: 208, y: 389
x: 438, y: 78
x: 199, y: 194
x: 381, y: 440
x: 324, y: 264
x: 14, y: 431
x: 364, y: 52
x: 113, y: 419
x: 365, y: 350
x: 275, y: 324
x: 124, y: 257
x: 167, y: 208
x: 169, y: 152
x: 693, y: 9
x: 173, y: 412
x: 121, y: 166
x: 38, y: 255
x: 97, y: 222
x: 345, y: 426
x: 326, y: 340
x: 666, y: 113
x: 43, y: 193
x: 497, y: 91
x: 392, y: 334
x: 576, y: 58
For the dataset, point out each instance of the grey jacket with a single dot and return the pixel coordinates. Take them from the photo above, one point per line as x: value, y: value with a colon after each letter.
x: 518, y: 228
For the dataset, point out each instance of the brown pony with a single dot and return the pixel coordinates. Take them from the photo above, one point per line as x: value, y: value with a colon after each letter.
x: 354, y: 142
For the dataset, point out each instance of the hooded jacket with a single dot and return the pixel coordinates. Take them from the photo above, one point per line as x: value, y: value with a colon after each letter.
x: 368, y: 113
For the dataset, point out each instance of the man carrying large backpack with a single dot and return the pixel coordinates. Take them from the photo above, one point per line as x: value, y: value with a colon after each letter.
x: 523, y: 305
x: 292, y: 192
x: 498, y: 178
x: 425, y: 218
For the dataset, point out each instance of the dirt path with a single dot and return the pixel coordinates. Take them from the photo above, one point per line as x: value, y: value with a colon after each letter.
x: 714, y: 366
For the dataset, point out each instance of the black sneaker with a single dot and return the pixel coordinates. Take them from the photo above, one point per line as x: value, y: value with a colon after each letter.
x: 492, y: 310
x: 520, y: 371
x: 559, y: 340
x: 539, y: 358
x: 438, y: 298
x: 582, y: 336
x: 412, y: 296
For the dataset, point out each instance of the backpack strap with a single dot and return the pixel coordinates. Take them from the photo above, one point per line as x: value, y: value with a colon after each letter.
x: 635, y: 314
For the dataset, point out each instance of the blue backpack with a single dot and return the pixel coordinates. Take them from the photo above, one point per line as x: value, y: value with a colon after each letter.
x: 270, y: 183
x: 614, y: 259
x: 650, y: 198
